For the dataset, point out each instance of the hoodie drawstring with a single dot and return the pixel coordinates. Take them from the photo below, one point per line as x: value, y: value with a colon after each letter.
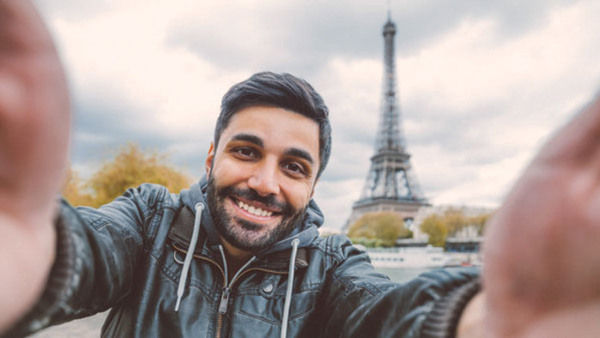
x: 225, y: 267
x: 189, y: 255
x: 288, y: 292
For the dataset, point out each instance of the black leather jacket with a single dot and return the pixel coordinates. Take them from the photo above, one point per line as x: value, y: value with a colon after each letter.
x: 129, y: 256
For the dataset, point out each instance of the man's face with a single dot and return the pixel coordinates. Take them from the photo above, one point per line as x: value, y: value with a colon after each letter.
x: 262, y: 175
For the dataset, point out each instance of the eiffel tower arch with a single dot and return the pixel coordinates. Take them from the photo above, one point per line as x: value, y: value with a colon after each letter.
x: 391, y: 184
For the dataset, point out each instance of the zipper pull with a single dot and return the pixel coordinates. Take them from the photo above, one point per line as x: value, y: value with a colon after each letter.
x: 224, y: 300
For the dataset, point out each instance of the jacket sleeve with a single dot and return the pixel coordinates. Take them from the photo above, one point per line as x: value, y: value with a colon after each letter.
x: 97, y: 253
x: 364, y: 303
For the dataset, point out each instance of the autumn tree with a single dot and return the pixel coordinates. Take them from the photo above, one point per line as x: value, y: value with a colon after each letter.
x: 129, y: 168
x: 440, y: 226
x: 454, y: 220
x: 74, y: 189
x: 435, y: 227
x: 382, y: 228
x: 480, y: 221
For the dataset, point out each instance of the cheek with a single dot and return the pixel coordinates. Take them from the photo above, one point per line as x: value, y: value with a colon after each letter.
x: 299, y: 196
x: 227, y: 173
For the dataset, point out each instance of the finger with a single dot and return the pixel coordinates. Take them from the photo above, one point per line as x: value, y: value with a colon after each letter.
x: 21, y: 28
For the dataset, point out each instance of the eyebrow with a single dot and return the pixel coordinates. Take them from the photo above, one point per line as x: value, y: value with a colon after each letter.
x: 299, y: 153
x: 295, y: 152
x: 249, y: 138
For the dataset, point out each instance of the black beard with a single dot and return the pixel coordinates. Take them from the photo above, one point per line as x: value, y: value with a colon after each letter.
x: 222, y: 220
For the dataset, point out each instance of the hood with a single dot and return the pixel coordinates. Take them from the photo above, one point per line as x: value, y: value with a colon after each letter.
x: 305, y: 232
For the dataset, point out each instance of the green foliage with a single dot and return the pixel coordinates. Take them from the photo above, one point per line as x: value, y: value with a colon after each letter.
x: 384, y: 227
x: 130, y: 168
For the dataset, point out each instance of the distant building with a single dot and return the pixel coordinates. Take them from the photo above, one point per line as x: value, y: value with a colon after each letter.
x: 468, y: 239
x: 391, y: 184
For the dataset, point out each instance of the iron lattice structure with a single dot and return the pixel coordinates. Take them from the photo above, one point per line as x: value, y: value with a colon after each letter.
x: 391, y: 184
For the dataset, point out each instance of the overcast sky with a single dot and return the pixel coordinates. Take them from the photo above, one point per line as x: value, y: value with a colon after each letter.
x: 481, y: 84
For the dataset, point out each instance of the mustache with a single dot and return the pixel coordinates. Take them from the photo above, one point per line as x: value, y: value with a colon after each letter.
x: 250, y: 194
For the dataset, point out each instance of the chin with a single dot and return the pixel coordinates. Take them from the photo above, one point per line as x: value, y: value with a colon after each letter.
x: 250, y: 236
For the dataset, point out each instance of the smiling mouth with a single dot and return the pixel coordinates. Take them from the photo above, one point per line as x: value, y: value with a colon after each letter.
x: 253, y: 210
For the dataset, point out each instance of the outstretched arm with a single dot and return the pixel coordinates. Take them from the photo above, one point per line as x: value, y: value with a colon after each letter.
x: 34, y: 128
x: 542, y: 260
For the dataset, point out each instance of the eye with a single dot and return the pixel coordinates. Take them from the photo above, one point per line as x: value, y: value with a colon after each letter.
x: 245, y: 152
x: 294, y: 168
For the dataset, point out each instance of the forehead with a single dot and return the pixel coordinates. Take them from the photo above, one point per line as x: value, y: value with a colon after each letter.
x: 277, y: 127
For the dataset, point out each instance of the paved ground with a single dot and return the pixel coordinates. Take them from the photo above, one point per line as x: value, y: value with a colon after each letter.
x: 83, y: 328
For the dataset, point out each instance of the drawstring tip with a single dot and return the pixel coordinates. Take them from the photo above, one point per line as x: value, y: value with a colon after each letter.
x: 288, y: 293
x: 189, y: 254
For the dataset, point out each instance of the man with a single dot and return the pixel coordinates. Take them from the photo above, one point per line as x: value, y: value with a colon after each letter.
x: 238, y: 254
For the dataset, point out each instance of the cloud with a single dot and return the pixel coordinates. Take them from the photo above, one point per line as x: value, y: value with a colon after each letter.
x: 474, y: 109
x: 481, y: 86
x: 300, y: 36
x: 297, y: 34
x: 73, y: 10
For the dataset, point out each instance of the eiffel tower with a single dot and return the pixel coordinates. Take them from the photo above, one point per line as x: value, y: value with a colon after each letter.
x: 391, y: 184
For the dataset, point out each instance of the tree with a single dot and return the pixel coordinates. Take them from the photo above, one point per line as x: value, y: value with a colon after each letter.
x: 440, y: 226
x: 73, y: 190
x: 437, y: 230
x: 480, y: 221
x: 455, y: 220
x: 385, y: 227
x: 129, y: 168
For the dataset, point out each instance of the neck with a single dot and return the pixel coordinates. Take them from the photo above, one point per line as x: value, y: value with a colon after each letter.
x: 235, y: 257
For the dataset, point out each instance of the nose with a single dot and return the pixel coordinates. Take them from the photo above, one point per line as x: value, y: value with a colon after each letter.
x: 264, y: 180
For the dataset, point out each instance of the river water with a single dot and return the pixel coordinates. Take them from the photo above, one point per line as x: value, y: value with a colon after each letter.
x: 402, y: 274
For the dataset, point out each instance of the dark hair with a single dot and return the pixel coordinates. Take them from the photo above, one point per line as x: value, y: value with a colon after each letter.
x: 280, y: 90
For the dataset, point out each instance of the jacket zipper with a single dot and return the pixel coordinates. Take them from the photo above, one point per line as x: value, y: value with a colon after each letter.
x: 224, y: 295
x: 224, y: 300
x: 223, y: 304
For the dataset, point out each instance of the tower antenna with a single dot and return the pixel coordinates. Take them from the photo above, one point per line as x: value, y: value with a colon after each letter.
x: 389, y: 11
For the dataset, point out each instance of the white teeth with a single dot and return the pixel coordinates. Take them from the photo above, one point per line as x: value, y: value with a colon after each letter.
x: 254, y: 210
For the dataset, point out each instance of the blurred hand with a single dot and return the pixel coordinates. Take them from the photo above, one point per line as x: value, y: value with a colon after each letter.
x: 542, y: 253
x: 34, y: 128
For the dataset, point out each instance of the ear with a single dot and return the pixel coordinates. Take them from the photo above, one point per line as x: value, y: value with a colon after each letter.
x: 209, y: 159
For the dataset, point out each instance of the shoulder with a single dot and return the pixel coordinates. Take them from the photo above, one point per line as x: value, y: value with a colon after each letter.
x: 337, y: 248
x: 134, y: 209
x: 154, y: 194
x: 147, y: 198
